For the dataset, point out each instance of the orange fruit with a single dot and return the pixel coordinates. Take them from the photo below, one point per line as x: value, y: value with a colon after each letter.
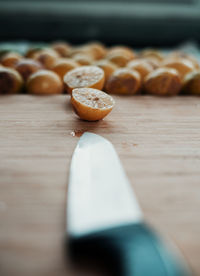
x: 96, y: 49
x: 83, y: 59
x: 152, y: 53
x: 26, y: 67
x: 163, y: 82
x: 62, y: 48
x: 143, y: 67
x: 91, y: 104
x: 123, y: 81
x: 10, y: 81
x: 182, y: 65
x: 77, y: 50
x: 47, y: 57
x: 44, y: 82
x: 84, y: 76
x: 155, y: 63
x: 180, y: 54
x: 119, y: 58
x: 107, y: 66
x: 123, y: 50
x: 31, y: 52
x: 10, y: 59
x: 191, y: 83
x: 64, y: 65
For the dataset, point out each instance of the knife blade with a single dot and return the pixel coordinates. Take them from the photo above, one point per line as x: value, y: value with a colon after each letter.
x: 104, y: 219
x: 99, y: 192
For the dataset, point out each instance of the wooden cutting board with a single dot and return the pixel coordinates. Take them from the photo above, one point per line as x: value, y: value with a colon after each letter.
x: 158, y: 141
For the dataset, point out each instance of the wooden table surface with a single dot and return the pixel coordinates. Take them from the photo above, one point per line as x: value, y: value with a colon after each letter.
x: 158, y: 141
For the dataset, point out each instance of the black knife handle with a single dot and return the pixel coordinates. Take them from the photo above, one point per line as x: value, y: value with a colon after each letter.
x: 132, y: 250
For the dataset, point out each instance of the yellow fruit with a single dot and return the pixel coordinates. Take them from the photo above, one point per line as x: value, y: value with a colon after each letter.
x: 155, y: 63
x: 10, y: 81
x: 10, y: 59
x: 123, y: 81
x: 47, y: 57
x: 191, y: 83
x: 107, y: 66
x: 83, y: 59
x: 27, y: 66
x: 96, y: 49
x: 182, y: 65
x: 44, y: 82
x: 31, y: 52
x: 64, y: 65
x: 143, y: 67
x: 62, y: 48
x: 123, y: 50
x: 84, y: 76
x: 91, y: 104
x: 119, y: 58
x: 163, y: 82
x: 152, y: 53
x: 179, y: 54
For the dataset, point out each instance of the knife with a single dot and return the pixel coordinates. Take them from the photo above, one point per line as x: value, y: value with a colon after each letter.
x: 104, y: 220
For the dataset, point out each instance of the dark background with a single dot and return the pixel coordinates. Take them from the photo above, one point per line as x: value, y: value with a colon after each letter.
x: 133, y: 22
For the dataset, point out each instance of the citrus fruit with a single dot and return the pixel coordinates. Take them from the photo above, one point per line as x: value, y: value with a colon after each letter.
x: 163, y: 82
x: 44, y: 82
x: 191, y: 83
x: 26, y: 67
x: 10, y: 81
x: 83, y: 59
x: 31, y: 52
x: 62, y: 48
x: 120, y: 58
x: 143, y: 67
x: 123, y: 50
x: 155, y: 63
x: 47, y: 57
x: 84, y: 76
x: 91, y: 104
x: 10, y: 59
x: 123, y: 81
x: 107, y: 66
x: 182, y: 65
x: 152, y: 53
x: 64, y: 65
x: 180, y: 54
x: 96, y: 49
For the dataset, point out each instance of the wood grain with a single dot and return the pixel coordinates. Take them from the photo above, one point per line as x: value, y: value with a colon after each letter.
x: 158, y: 141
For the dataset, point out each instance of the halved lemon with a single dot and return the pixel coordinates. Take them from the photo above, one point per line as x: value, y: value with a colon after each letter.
x: 84, y: 76
x: 91, y: 104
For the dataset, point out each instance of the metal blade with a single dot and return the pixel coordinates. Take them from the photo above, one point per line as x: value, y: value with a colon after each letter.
x: 99, y: 194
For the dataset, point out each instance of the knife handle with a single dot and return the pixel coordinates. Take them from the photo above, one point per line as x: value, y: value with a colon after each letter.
x: 131, y: 250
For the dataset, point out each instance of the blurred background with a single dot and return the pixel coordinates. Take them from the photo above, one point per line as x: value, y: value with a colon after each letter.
x: 136, y: 23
